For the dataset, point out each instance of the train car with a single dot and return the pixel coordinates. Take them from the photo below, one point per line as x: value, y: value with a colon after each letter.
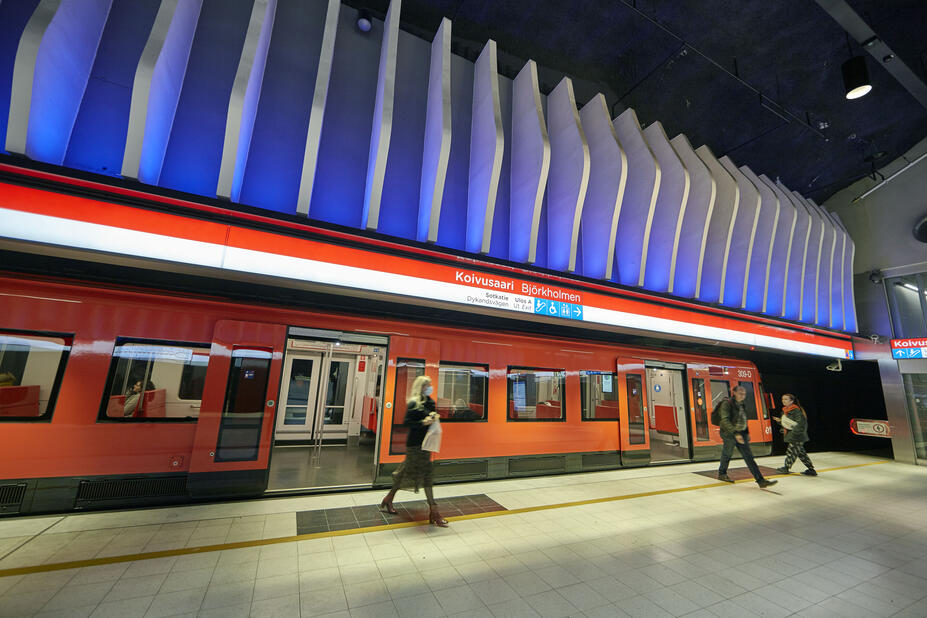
x: 112, y: 396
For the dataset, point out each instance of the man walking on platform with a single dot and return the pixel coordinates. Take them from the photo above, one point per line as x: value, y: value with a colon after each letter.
x: 733, y: 423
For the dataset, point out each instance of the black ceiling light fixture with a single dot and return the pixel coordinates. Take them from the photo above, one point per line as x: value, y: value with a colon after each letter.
x: 920, y: 229
x: 364, y: 21
x: 856, y: 81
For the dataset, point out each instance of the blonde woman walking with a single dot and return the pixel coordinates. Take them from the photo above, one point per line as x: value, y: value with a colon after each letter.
x: 415, y: 470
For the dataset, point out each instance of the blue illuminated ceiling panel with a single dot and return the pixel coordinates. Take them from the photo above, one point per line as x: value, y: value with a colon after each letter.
x: 178, y: 94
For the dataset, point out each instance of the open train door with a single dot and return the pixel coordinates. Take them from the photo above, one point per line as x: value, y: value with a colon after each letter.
x: 235, y: 430
x: 634, y: 415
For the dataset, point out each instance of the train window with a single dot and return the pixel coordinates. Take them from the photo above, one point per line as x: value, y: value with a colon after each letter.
x: 720, y: 390
x: 407, y: 369
x: 462, y: 392
x: 635, y: 384
x: 701, y: 409
x: 243, y: 414
x: 764, y: 402
x: 598, y: 392
x: 750, y: 401
x: 155, y: 381
x: 31, y: 368
x: 535, y: 394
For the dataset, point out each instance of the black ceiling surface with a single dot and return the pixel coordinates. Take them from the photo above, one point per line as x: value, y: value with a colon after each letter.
x: 675, y: 61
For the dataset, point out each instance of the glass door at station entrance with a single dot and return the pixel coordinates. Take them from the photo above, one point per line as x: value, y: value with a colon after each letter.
x: 326, y: 427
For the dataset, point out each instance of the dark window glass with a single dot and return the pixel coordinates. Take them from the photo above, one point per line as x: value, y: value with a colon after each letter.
x: 635, y: 383
x: 598, y: 393
x: 193, y: 377
x: 155, y: 381
x: 407, y: 370
x: 462, y: 392
x: 908, y: 300
x: 535, y: 394
x: 750, y: 401
x: 339, y: 372
x: 245, y: 397
x: 720, y: 390
x: 31, y: 368
x: 701, y: 409
x: 764, y: 402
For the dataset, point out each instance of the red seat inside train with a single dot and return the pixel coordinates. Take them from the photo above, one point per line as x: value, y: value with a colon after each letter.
x: 664, y: 419
x: 544, y: 409
x: 19, y: 400
x: 153, y: 405
x: 606, y: 410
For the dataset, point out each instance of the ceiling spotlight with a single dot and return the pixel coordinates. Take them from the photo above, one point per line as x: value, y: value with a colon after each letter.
x: 856, y: 77
x: 364, y: 21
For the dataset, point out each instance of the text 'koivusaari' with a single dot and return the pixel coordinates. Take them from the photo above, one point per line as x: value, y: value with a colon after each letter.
x: 483, y: 281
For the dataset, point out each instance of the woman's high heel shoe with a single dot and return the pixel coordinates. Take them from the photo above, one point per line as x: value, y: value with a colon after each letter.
x: 387, y: 506
x: 435, y: 519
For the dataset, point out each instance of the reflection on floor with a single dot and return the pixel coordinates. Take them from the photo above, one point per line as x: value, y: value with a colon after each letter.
x: 291, y: 466
x: 349, y: 518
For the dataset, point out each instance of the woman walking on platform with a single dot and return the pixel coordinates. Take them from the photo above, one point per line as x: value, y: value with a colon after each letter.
x: 415, y: 470
x: 794, y: 423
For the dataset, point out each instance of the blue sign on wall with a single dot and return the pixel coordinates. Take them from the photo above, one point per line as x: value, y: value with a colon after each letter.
x: 556, y: 308
x: 901, y: 353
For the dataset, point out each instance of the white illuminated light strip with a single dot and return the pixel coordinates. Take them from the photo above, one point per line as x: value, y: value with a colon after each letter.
x: 93, y: 236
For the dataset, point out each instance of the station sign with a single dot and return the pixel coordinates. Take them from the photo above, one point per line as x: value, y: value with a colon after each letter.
x: 38, y: 216
x: 868, y: 427
x: 909, y: 348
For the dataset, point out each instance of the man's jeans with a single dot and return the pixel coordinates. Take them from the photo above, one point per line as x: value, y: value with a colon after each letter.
x: 728, y: 449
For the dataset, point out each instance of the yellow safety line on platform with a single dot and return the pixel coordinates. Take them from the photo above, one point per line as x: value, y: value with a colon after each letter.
x: 186, y: 551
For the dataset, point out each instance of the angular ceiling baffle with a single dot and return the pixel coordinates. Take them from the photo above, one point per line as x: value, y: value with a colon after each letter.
x: 693, y: 238
x: 849, y: 313
x: 782, y: 248
x: 14, y: 19
x: 714, y: 287
x: 813, y: 255
x: 382, y: 119
x: 487, y: 147
x: 98, y: 139
x: 568, y: 180
x: 437, y: 147
x: 156, y: 88
x: 317, y: 110
x: 243, y: 102
x: 53, y: 62
x: 608, y: 175
x: 669, y: 212
x: 795, y: 277
x: 530, y: 165
x: 24, y: 73
x: 761, y: 257
x: 823, y: 315
x: 838, y: 308
x: 748, y: 215
x: 282, y: 136
x: 640, y: 201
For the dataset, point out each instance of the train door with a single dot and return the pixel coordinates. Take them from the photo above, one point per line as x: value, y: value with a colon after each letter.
x: 668, y: 420
x: 326, y: 428
x: 232, y: 444
x: 723, y: 381
x: 632, y: 392
x: 705, y: 436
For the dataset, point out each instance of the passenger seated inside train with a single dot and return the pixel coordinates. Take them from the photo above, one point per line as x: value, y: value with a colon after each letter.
x: 138, y: 402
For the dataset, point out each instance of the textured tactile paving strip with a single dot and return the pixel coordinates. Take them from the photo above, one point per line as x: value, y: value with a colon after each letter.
x: 349, y: 518
x: 739, y: 474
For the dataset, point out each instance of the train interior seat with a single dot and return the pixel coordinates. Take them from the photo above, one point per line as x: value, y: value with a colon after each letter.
x: 153, y: 405
x: 20, y: 400
x: 664, y: 420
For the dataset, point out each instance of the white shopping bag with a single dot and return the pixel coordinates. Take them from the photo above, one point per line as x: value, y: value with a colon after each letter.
x: 432, y: 441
